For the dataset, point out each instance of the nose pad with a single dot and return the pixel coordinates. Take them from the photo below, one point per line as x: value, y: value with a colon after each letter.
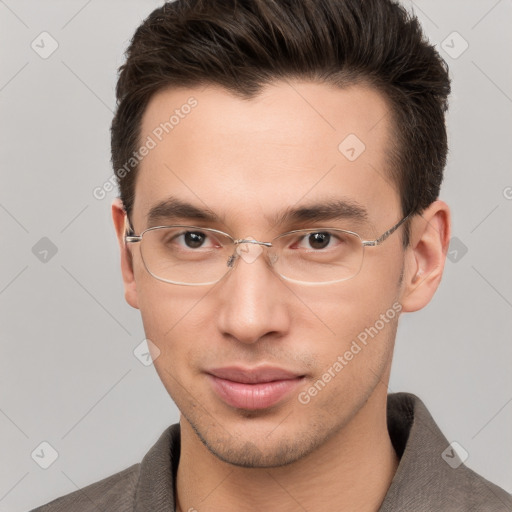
x: 249, y: 252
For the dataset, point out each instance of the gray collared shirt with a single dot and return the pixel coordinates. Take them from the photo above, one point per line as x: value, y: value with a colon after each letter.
x: 430, y: 476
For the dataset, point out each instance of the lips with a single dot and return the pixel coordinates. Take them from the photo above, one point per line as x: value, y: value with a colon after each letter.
x: 253, y: 389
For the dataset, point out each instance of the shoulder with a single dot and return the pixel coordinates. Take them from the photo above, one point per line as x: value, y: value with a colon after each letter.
x: 145, y: 486
x: 481, y: 494
x: 431, y: 474
x: 116, y: 492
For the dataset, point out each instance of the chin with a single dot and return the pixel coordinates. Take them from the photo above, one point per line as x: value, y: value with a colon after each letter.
x: 250, y: 449
x: 248, y: 455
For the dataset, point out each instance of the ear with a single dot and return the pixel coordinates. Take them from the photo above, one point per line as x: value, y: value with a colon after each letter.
x: 130, y: 287
x: 426, y: 255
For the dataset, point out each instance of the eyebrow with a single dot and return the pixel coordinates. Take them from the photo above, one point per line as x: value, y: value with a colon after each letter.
x: 172, y: 209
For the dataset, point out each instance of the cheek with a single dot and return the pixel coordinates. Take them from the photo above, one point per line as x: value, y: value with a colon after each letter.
x: 357, y: 330
x: 344, y: 310
x: 349, y: 369
x: 167, y: 312
x: 165, y: 324
x: 175, y: 320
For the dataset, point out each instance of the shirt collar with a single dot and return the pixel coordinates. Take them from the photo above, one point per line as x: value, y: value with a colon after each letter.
x: 424, y: 479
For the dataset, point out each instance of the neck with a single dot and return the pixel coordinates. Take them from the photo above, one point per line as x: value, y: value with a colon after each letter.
x: 352, y: 471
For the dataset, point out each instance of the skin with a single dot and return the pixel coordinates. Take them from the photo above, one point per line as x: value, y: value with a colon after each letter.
x: 244, y: 158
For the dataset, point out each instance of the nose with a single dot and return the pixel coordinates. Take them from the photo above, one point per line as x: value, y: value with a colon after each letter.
x: 252, y: 299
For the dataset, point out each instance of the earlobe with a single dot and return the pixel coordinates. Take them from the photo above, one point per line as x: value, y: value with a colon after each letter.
x: 130, y: 287
x: 425, y: 258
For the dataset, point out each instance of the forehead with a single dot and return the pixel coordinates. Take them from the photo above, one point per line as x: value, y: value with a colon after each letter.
x: 245, y: 159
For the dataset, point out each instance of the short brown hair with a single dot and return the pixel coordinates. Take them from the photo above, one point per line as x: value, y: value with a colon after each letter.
x: 243, y: 45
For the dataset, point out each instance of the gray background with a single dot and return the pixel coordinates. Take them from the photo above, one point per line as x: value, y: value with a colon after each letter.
x: 68, y: 372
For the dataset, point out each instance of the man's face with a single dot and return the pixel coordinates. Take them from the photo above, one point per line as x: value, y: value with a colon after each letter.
x: 246, y: 161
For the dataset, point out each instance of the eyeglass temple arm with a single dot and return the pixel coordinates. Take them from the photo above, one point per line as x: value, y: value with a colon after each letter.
x: 130, y: 237
x: 373, y: 243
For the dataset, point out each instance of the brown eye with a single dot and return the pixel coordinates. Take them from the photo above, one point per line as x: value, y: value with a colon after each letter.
x: 319, y: 240
x: 194, y: 239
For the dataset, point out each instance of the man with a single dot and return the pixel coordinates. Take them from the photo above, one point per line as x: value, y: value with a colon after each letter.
x: 279, y: 166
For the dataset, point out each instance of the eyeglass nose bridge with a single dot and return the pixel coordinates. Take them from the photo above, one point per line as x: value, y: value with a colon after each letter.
x: 249, y: 258
x: 251, y: 241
